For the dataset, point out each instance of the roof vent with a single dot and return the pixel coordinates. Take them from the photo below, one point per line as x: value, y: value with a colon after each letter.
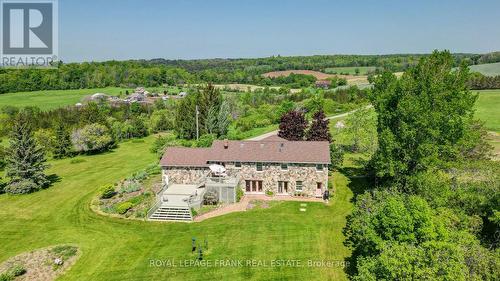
x: 281, y: 147
x: 226, y: 144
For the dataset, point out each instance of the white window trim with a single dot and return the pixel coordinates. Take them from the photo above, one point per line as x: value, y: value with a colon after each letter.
x: 301, y: 186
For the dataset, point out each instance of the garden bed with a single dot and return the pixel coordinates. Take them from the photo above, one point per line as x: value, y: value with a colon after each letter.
x: 131, y: 197
x: 41, y: 265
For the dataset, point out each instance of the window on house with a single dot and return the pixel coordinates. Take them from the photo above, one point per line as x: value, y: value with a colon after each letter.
x: 284, y: 166
x: 319, y: 167
x: 259, y: 166
x: 237, y: 164
x: 298, y: 185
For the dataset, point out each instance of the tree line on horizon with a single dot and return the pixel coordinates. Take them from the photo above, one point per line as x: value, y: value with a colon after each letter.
x: 158, y: 72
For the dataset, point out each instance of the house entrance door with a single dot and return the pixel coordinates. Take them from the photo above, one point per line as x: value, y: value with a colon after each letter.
x: 253, y: 186
x: 319, y: 189
x: 282, y: 187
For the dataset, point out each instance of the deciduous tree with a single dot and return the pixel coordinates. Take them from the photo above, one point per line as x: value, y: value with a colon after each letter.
x: 292, y: 126
x: 422, y: 117
x: 319, y: 130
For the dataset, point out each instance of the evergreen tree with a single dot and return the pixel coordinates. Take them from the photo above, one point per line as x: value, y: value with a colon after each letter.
x: 209, y: 102
x: 224, y: 118
x: 292, y: 126
x: 25, y: 160
x: 319, y: 131
x: 62, y: 146
x: 185, y: 117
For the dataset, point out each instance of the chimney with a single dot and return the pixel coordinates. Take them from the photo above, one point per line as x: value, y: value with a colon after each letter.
x: 226, y: 143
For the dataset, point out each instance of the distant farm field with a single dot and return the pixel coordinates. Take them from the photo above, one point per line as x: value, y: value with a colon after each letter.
x: 488, y: 109
x: 488, y: 69
x: 51, y: 99
x: 350, y: 70
x: 284, y: 73
x: 351, y: 79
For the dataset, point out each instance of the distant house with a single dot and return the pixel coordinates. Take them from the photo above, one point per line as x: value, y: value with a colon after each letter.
x: 324, y: 84
x: 140, y: 90
x: 136, y: 97
x: 99, y: 97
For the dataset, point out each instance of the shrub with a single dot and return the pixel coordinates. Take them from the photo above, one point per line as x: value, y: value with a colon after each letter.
x: 211, y: 197
x: 153, y: 169
x: 107, y: 191
x: 269, y: 192
x: 206, y: 140
x: 130, y: 187
x: 239, y: 194
x: 138, y: 176
x: 17, y: 270
x: 64, y: 251
x: 77, y: 160
x: 6, y: 277
x: 122, y: 208
x: 194, y: 212
x: 22, y: 187
x: 91, y: 138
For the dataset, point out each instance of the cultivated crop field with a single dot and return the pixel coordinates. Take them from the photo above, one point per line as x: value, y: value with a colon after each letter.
x: 351, y: 79
x: 350, y: 70
x: 488, y: 69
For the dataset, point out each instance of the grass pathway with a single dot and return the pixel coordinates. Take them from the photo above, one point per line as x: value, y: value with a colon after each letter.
x: 116, y: 249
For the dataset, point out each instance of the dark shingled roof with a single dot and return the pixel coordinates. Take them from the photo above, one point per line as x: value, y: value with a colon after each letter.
x: 314, y: 152
x: 185, y: 157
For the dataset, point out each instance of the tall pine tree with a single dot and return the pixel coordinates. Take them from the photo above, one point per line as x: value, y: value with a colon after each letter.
x: 25, y: 160
x: 319, y: 131
x: 292, y: 126
x: 62, y: 147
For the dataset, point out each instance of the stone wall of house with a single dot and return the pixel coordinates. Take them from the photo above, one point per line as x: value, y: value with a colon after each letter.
x: 272, y: 173
x: 183, y: 175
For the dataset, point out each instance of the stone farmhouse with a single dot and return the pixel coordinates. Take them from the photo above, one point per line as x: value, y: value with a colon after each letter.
x: 273, y: 164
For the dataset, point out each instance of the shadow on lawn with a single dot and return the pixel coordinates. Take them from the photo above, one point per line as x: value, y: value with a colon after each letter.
x: 53, y: 178
x: 359, y: 180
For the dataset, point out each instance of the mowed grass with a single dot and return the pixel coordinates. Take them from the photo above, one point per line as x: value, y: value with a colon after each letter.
x: 488, y: 109
x: 350, y: 70
x: 51, y: 99
x: 119, y: 249
x: 488, y: 69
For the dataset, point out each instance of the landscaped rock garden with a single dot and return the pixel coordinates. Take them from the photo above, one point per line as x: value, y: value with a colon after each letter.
x: 131, y: 197
x: 41, y: 265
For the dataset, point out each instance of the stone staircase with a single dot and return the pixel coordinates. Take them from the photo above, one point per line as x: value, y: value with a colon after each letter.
x: 171, y: 213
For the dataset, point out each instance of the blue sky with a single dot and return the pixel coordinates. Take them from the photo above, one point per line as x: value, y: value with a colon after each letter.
x: 94, y: 30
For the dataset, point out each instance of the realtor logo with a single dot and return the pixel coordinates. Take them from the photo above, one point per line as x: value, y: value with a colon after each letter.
x: 29, y: 33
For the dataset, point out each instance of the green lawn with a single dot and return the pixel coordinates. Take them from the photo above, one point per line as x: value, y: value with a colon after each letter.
x: 363, y: 70
x: 117, y: 249
x: 488, y: 109
x: 53, y: 98
x: 488, y: 69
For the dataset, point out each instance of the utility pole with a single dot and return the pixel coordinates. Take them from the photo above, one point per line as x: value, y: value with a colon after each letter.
x: 197, y: 124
